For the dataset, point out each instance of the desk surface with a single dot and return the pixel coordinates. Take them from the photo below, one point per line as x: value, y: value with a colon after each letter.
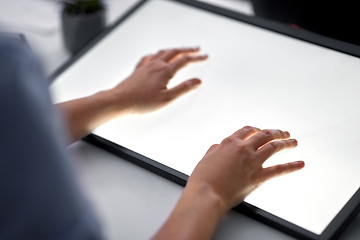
x: 131, y: 202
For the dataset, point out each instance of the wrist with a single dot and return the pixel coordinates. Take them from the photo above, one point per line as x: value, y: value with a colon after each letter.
x: 195, y: 216
x: 210, y: 198
x: 117, y: 104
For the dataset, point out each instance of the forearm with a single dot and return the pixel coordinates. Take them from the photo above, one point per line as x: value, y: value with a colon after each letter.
x: 144, y: 91
x: 85, y: 114
x: 195, y: 216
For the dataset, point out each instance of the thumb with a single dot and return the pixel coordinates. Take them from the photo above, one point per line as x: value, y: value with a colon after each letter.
x: 183, y: 88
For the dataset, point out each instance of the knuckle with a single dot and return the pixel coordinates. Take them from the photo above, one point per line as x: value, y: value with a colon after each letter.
x: 251, y: 130
x: 288, y: 143
x: 282, y: 169
x: 143, y: 60
x: 279, y: 170
x: 246, y: 152
x: 188, y: 58
x: 228, y: 140
x: 248, y: 129
x: 274, y: 145
x: 163, y: 68
x: 156, y: 66
x: 213, y: 147
x: 184, y: 59
x: 268, y: 133
x: 175, y: 51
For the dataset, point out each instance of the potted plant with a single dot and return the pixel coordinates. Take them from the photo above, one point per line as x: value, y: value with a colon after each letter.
x: 82, y: 20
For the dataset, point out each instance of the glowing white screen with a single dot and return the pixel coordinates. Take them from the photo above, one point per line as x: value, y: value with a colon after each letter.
x: 253, y: 77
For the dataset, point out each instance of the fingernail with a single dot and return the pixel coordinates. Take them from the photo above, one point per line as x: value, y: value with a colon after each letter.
x: 195, y: 82
x: 299, y: 163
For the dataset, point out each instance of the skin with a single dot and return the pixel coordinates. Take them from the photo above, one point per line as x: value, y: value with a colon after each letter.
x: 228, y: 172
x: 144, y: 91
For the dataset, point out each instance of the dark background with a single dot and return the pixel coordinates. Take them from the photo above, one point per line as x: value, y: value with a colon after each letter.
x: 336, y: 19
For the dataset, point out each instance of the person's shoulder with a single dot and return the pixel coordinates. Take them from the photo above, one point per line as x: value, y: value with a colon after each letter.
x: 12, y: 53
x: 15, y: 57
x: 20, y: 69
x: 9, y: 47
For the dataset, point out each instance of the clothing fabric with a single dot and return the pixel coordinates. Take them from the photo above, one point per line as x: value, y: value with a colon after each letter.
x: 39, y: 196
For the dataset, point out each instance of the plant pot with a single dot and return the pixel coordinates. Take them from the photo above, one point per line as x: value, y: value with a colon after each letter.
x: 78, y: 30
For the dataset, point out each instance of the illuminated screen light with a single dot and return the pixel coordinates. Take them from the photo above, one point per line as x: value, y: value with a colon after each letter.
x: 253, y: 77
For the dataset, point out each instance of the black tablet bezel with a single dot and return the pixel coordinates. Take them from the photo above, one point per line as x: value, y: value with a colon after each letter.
x: 343, y: 218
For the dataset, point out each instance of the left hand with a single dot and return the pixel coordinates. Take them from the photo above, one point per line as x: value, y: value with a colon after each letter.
x: 146, y: 89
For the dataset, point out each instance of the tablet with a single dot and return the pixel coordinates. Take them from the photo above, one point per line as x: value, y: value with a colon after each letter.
x: 259, y: 73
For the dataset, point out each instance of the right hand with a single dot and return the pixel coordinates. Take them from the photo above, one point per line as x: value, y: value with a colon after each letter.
x: 233, y: 169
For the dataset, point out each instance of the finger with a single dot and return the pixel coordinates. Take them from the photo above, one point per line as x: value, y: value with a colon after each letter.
x: 182, y: 88
x: 158, y: 54
x: 185, y: 60
x: 281, y: 169
x: 212, y: 148
x: 267, y: 135
x: 143, y: 61
x: 246, y: 132
x: 273, y: 147
x: 167, y: 55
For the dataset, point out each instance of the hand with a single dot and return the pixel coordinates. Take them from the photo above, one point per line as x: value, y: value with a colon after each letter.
x: 146, y: 89
x: 223, y: 178
x: 233, y: 169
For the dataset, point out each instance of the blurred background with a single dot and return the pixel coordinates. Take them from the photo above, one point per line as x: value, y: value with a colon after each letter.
x: 40, y: 20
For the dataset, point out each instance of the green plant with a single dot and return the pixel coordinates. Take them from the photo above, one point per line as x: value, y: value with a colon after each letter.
x: 83, y: 6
